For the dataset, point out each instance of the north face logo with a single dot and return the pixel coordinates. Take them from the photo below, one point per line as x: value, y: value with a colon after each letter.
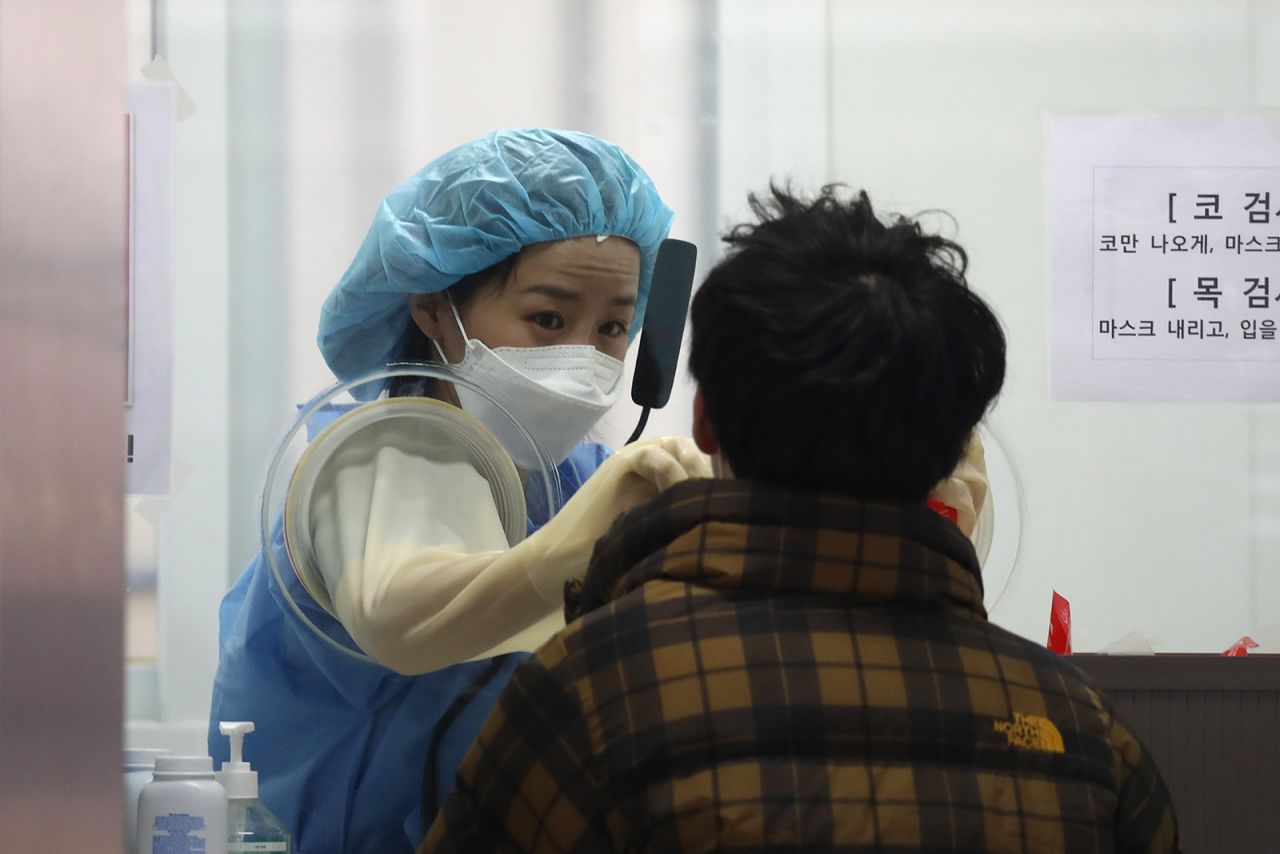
x: 1031, y: 732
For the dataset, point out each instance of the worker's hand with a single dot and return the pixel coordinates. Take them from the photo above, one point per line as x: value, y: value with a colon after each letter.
x: 561, y: 550
x: 965, y: 490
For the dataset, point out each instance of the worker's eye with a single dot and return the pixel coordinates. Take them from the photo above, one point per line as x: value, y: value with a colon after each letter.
x: 549, y: 320
x: 614, y: 329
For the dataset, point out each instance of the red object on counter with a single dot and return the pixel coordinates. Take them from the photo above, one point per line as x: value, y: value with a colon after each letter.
x: 1241, y: 647
x: 1060, y: 625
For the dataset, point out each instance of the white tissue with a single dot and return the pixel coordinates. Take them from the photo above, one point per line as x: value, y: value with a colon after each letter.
x: 1134, y: 643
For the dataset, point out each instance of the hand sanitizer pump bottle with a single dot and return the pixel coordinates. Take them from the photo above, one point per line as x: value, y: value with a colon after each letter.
x: 250, y: 825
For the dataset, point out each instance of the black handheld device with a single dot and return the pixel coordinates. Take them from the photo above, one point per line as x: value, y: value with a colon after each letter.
x: 664, y: 320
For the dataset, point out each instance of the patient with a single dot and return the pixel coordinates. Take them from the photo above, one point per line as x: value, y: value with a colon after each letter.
x: 795, y: 655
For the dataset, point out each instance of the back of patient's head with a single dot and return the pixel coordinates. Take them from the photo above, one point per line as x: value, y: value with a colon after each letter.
x: 842, y: 353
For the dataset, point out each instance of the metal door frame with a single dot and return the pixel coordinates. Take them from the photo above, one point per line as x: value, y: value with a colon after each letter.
x: 62, y: 445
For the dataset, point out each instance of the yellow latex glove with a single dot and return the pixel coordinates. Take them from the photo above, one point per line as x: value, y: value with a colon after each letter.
x: 417, y: 609
x: 560, y: 551
x: 965, y: 490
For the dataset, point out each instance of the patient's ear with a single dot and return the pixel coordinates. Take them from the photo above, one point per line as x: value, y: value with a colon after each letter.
x: 704, y: 433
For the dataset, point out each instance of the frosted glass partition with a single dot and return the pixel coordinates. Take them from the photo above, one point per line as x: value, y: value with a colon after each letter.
x: 1159, y: 518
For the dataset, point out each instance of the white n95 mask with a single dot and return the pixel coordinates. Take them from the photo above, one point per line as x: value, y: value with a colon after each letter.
x: 556, y: 393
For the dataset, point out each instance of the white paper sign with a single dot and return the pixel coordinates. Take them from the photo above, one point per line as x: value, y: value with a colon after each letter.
x: 149, y: 323
x: 1165, y: 253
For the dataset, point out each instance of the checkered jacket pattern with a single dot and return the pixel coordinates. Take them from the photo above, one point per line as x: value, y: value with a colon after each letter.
x: 752, y: 669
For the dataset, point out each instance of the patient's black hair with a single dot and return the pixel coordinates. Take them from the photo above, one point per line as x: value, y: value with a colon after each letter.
x: 842, y: 353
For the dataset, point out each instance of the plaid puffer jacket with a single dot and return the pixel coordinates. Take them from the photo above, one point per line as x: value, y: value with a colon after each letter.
x: 756, y: 670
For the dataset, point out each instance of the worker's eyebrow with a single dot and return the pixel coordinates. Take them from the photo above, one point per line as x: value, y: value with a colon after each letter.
x: 570, y: 295
x: 555, y: 292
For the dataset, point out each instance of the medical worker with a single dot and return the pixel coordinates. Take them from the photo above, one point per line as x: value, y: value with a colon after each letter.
x: 523, y: 261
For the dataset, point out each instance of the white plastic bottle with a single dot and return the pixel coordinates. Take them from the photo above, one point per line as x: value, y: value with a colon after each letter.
x: 183, y: 810
x: 251, y: 826
x: 139, y: 764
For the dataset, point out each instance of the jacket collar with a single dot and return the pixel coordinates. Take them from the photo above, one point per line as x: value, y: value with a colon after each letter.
x: 749, y: 538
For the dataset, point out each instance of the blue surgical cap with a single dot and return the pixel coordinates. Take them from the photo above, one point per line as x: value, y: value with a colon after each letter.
x: 471, y: 208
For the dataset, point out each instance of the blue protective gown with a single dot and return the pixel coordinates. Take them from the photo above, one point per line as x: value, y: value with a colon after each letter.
x: 340, y: 743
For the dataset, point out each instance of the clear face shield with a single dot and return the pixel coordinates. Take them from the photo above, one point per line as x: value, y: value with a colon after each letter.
x: 444, y: 479
x: 438, y: 477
